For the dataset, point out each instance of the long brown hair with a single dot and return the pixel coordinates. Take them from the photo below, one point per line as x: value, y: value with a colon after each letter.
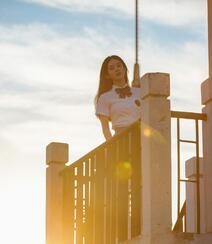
x: 105, y: 83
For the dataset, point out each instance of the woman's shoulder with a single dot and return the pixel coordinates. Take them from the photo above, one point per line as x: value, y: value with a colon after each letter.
x: 103, y: 104
x: 106, y: 95
x: 136, y: 89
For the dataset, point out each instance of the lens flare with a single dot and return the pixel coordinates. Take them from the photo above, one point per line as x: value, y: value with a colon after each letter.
x: 147, y: 132
x: 124, y: 170
x: 152, y: 134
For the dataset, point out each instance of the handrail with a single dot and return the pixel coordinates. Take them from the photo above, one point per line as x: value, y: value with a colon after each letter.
x: 103, y: 145
x: 174, y: 114
x: 196, y: 117
x: 188, y: 115
x: 102, y: 191
x: 93, y: 193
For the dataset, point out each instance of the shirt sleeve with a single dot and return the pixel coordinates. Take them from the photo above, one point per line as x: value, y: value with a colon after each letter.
x: 137, y: 91
x: 102, y: 107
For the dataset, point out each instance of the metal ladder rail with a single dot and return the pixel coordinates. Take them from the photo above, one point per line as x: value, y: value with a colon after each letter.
x: 197, y: 181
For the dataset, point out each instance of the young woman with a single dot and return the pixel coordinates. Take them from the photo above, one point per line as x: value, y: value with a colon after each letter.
x: 116, y: 101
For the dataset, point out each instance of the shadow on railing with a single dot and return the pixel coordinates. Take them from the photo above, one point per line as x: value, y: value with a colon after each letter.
x: 180, y: 225
x: 102, y: 192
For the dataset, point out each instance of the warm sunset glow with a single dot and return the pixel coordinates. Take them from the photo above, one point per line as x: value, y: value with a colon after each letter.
x: 147, y: 132
x: 124, y: 170
x: 51, y: 52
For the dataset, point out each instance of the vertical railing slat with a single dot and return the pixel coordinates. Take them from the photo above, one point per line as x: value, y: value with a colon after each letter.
x: 178, y: 168
x: 136, y: 182
x: 113, y: 158
x: 108, y: 200
x: 197, y: 175
x: 90, y: 213
x: 196, y: 117
x: 86, y: 201
x: 122, y: 174
x: 79, y: 205
x: 97, y: 193
x: 99, y: 198
x: 68, y: 207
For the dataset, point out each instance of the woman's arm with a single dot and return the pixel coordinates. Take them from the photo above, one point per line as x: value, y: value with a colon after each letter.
x: 105, y: 126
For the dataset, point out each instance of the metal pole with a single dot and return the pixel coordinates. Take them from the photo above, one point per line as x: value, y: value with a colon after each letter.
x: 178, y: 168
x: 136, y: 31
x: 197, y: 176
x: 210, y: 37
x: 136, y: 78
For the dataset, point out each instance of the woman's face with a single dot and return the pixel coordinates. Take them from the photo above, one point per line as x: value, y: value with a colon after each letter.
x: 116, y: 71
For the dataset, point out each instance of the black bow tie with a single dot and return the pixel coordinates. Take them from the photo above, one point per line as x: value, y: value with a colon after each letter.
x: 124, y: 92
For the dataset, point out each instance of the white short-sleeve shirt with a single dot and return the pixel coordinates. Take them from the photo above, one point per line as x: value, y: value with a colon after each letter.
x: 121, y: 111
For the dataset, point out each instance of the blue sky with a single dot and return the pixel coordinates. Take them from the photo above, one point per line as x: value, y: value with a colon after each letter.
x: 51, y: 52
x: 20, y: 12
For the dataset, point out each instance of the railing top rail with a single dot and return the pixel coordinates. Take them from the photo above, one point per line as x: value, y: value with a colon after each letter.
x: 103, y: 145
x: 188, y: 115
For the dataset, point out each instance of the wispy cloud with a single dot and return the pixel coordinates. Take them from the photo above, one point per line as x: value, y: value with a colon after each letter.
x: 187, y: 65
x: 38, y: 56
x: 43, y: 71
x: 42, y: 68
x: 48, y: 83
x: 168, y: 12
x: 48, y: 79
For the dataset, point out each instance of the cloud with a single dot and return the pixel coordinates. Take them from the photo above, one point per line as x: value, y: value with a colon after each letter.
x: 41, y: 57
x: 43, y: 71
x: 187, y: 65
x: 168, y: 12
x: 48, y: 81
x: 38, y: 55
x: 50, y: 78
x: 53, y: 69
x: 14, y: 116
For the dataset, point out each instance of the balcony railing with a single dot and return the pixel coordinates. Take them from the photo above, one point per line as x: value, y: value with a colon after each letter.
x: 181, y: 212
x: 102, y: 192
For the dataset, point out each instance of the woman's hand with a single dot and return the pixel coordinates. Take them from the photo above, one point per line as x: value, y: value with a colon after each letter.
x: 105, y: 126
x: 136, y: 83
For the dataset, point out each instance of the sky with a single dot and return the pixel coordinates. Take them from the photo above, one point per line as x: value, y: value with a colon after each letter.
x: 51, y: 53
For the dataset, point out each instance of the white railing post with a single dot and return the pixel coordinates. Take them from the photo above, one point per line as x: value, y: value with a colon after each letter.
x: 56, y: 158
x: 207, y: 150
x: 191, y: 196
x: 156, y: 159
x: 206, y: 89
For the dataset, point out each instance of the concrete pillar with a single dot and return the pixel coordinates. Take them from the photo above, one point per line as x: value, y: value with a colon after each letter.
x: 156, y: 159
x: 210, y: 36
x: 56, y: 158
x: 206, y: 89
x: 191, y: 197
